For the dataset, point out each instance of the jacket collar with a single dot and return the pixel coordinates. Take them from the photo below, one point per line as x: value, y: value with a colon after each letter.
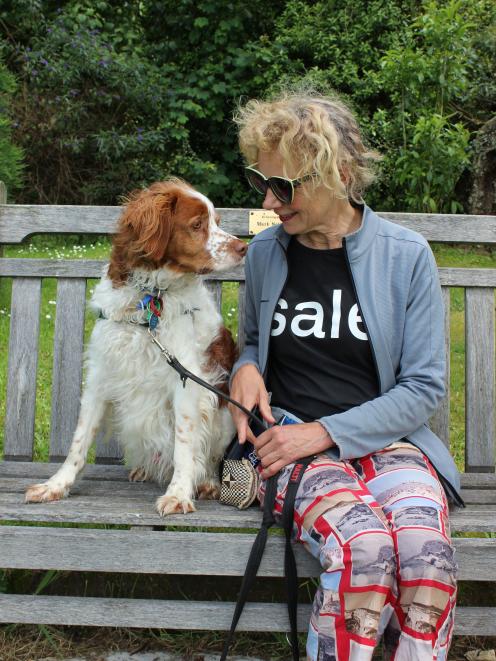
x: 357, y: 243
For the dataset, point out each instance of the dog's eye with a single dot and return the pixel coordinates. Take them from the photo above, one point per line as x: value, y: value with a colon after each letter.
x: 197, y: 225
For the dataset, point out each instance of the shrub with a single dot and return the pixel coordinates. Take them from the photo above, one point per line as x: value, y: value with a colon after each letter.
x: 10, y: 154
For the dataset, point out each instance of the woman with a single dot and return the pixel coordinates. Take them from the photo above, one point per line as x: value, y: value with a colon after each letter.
x: 344, y: 329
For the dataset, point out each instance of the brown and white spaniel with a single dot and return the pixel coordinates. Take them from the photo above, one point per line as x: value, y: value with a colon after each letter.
x: 167, y: 236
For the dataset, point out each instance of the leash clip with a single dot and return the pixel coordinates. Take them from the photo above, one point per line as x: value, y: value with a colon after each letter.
x: 153, y: 335
x: 166, y: 354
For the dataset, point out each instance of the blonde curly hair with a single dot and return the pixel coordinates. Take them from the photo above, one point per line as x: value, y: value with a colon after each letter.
x: 314, y: 134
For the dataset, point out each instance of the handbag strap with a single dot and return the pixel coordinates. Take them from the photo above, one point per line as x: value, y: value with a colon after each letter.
x: 290, y: 570
x: 254, y: 560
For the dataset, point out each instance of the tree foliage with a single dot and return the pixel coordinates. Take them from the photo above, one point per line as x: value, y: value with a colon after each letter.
x: 10, y: 154
x: 113, y: 95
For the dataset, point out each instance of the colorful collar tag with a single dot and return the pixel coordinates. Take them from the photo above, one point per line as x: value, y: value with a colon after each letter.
x: 153, y: 306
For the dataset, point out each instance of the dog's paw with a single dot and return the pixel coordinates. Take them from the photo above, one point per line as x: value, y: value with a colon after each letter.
x: 172, y: 505
x: 44, y: 493
x: 209, y: 490
x: 137, y: 475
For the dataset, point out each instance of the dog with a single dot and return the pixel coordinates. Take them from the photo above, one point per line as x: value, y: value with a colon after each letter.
x: 167, y: 237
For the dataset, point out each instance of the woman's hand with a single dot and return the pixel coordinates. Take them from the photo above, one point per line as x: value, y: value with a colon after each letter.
x: 248, y: 388
x: 284, y: 444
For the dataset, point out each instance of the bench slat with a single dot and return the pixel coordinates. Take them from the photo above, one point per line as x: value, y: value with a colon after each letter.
x: 215, y: 289
x: 67, y: 364
x: 479, y: 380
x: 194, y: 615
x: 92, y: 268
x: 81, y: 268
x: 192, y: 553
x: 23, y: 364
x: 107, y: 448
x: 84, y: 506
x: 19, y: 221
x: 40, y: 471
x: 148, y: 491
x: 440, y: 421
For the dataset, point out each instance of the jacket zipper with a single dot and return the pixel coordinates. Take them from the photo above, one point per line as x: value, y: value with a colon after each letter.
x: 374, y: 357
x: 264, y: 375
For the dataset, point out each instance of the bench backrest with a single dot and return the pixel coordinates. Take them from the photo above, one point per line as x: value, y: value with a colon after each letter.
x: 18, y: 222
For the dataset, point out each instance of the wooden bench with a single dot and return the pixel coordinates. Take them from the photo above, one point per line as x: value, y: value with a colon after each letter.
x: 144, y: 543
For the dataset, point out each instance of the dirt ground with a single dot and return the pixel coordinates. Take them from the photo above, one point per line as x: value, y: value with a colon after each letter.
x: 34, y: 643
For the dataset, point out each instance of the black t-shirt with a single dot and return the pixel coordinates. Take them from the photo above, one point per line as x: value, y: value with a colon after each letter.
x: 320, y: 360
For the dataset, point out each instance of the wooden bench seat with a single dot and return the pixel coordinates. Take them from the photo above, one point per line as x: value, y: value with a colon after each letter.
x: 121, y: 532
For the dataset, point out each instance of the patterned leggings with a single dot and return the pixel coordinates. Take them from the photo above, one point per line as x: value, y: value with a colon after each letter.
x: 379, y: 527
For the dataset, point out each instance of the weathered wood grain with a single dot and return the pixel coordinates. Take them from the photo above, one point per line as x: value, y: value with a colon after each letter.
x: 20, y: 221
x: 39, y: 471
x: 138, y: 508
x: 107, y: 448
x: 479, y: 380
x: 67, y: 364
x: 92, y: 268
x: 191, y: 553
x: 440, y: 421
x: 82, y: 268
x: 193, y: 615
x: 35, y: 470
x: 23, y: 364
x: 3, y: 200
x: 215, y: 289
x: 149, y: 491
x: 466, y: 277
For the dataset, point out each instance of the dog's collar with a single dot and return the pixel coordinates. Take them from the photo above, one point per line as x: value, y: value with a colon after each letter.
x: 152, y: 305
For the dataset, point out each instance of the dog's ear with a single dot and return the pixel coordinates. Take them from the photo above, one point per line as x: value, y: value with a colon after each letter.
x: 144, y: 230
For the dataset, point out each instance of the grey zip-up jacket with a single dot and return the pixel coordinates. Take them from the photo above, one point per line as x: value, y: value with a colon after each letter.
x: 397, y: 287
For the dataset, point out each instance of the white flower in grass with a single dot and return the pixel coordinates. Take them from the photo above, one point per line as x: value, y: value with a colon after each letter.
x: 52, y: 302
x: 48, y: 316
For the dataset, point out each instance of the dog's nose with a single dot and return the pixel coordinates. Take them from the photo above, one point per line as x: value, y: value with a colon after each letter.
x: 241, y: 247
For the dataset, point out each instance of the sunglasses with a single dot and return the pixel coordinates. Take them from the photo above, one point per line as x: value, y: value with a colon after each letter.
x: 282, y: 188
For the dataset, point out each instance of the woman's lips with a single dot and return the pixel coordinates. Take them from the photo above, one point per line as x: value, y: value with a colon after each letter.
x: 286, y: 217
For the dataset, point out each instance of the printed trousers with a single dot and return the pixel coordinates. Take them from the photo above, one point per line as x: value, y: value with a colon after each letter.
x: 379, y: 527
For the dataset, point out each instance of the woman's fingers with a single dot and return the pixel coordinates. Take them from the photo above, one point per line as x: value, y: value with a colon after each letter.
x: 264, y: 406
x: 249, y: 390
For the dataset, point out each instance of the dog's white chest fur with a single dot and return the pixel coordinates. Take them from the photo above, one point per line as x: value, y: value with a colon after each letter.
x: 145, y: 391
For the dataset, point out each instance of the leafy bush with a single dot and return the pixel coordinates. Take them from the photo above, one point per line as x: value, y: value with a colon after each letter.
x: 10, y: 155
x: 95, y: 122
x: 424, y: 74
x: 115, y: 95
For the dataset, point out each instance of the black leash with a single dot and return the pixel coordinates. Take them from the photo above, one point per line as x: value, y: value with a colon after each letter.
x: 268, y: 519
x: 186, y: 374
x: 258, y: 548
x: 254, y: 560
x: 290, y: 570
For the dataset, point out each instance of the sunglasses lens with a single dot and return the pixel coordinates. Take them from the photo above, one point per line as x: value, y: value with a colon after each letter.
x: 256, y: 181
x: 282, y: 189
